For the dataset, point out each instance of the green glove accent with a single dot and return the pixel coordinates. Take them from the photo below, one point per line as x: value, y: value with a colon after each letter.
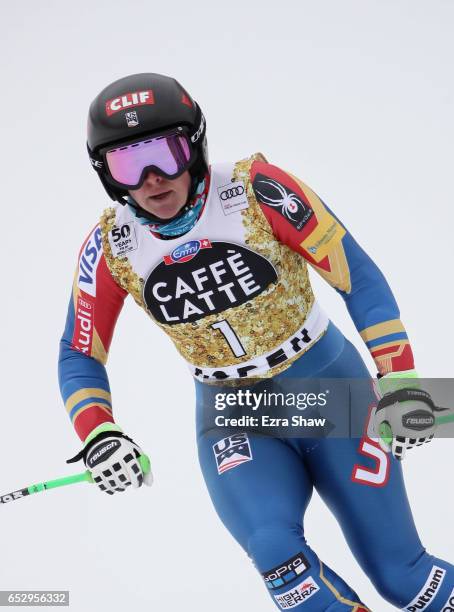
x: 393, y: 381
x: 386, y: 433
x: 145, y: 464
x: 103, y: 427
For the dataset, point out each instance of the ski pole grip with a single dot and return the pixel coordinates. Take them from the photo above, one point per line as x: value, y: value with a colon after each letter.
x: 88, y: 476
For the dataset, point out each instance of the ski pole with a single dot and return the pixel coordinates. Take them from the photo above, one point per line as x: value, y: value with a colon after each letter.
x: 144, y: 462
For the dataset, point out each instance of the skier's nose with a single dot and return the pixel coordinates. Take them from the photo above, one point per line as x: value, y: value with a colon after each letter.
x: 152, y: 178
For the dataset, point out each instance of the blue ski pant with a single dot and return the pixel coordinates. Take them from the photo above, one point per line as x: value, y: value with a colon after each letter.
x: 262, y: 495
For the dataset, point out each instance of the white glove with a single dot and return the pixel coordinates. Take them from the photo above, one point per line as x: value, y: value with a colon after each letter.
x: 113, y: 460
x: 404, y: 417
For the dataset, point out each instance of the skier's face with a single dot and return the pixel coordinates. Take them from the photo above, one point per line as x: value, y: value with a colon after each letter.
x: 163, y: 197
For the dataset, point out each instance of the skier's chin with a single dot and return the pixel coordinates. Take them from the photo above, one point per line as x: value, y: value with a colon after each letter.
x: 165, y: 210
x: 164, y: 206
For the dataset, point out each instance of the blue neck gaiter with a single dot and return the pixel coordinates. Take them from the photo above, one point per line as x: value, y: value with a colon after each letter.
x: 184, y: 222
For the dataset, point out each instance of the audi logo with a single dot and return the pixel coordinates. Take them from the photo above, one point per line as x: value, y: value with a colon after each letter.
x: 232, y: 193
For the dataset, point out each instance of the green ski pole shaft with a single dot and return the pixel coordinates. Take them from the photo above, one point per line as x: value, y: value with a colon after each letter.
x: 62, y: 482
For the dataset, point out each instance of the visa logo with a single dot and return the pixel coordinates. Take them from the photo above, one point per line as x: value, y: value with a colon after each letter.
x: 88, y: 262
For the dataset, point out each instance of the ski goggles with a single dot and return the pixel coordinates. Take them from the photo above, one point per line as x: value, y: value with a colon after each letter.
x: 168, y: 155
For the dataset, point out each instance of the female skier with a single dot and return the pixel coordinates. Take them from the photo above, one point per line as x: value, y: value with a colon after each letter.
x: 217, y: 256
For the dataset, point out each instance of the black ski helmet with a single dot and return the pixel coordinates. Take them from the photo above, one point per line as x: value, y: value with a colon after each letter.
x: 157, y: 103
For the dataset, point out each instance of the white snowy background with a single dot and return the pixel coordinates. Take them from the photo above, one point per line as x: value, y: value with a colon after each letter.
x: 356, y: 98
